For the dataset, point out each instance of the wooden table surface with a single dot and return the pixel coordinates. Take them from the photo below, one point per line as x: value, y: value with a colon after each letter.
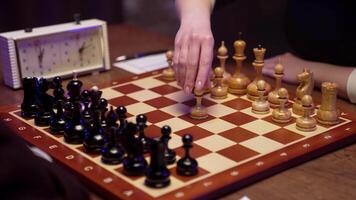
x: 332, y: 176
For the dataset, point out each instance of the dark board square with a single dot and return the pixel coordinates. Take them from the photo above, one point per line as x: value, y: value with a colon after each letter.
x: 238, y: 118
x: 157, y: 116
x: 195, y: 131
x: 196, y: 151
x: 238, y: 153
x: 238, y: 104
x: 122, y: 101
x: 238, y: 134
x: 160, y: 102
x: 129, y: 88
x: 283, y: 136
x: 165, y: 89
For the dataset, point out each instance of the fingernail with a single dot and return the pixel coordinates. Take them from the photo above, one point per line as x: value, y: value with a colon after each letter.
x: 199, y: 83
x: 187, y: 89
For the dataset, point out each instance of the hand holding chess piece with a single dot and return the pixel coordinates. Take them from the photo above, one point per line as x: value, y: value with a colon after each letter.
x: 198, y: 111
x: 306, y: 122
x: 168, y: 74
x: 261, y: 105
x: 219, y: 91
x: 238, y: 82
x: 258, y: 63
x: 282, y: 114
x: 328, y: 114
x: 273, y: 95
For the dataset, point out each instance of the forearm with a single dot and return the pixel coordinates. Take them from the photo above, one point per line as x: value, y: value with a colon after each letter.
x: 187, y: 9
x: 328, y: 72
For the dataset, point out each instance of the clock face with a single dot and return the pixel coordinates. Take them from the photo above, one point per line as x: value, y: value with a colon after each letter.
x: 61, y: 53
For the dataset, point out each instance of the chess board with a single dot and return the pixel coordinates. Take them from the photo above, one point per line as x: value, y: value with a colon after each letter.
x: 233, y: 146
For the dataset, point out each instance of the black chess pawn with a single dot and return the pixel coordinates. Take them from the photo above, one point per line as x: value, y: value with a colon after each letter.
x: 157, y: 174
x: 111, y: 118
x: 74, y: 89
x: 187, y: 166
x: 75, y: 128
x: 121, y: 113
x: 112, y: 153
x: 95, y: 138
x: 169, y: 154
x: 87, y: 114
x: 45, y: 104
x: 134, y: 163
x: 103, y: 104
x: 141, y: 121
x: 57, y: 124
x: 29, y: 106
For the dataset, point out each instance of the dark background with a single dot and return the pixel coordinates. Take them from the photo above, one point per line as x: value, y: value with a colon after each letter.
x: 260, y: 22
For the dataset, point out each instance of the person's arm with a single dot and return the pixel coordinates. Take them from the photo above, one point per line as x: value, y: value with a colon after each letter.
x: 342, y: 75
x: 194, y: 42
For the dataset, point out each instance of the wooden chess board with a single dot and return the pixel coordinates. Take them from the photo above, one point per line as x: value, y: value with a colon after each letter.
x: 233, y: 146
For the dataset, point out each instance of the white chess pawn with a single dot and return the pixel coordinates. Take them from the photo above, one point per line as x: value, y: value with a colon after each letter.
x: 261, y: 105
x: 282, y: 114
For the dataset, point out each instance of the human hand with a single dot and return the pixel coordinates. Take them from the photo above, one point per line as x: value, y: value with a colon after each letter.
x: 194, y: 42
x: 292, y: 66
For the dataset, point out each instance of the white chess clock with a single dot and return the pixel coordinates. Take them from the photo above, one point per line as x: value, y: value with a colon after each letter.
x: 55, y: 50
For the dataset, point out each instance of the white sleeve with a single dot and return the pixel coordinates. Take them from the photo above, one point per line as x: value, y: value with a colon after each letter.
x: 351, y: 86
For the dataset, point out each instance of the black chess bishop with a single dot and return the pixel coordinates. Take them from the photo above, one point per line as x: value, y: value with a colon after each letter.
x: 134, y: 163
x: 157, y: 174
x: 141, y: 121
x: 169, y: 154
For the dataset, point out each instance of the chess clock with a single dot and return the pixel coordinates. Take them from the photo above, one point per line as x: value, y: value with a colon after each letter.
x: 55, y: 50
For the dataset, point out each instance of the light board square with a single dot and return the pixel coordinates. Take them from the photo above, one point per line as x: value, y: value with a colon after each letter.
x: 216, y: 126
x: 260, y: 127
x: 219, y: 110
x: 215, y: 143
x: 261, y: 144
x: 109, y: 93
x: 180, y: 96
x: 293, y: 128
x: 144, y: 95
x: 175, y: 184
x: 215, y: 163
x: 177, y: 109
x: 148, y: 83
x: 139, y: 108
x: 176, y: 124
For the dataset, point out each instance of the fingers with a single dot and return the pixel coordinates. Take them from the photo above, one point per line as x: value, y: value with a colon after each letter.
x: 206, y: 58
x: 192, y: 63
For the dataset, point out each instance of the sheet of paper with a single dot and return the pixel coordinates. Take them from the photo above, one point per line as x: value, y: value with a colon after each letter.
x: 143, y: 64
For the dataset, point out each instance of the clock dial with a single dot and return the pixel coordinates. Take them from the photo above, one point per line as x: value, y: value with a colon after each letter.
x: 61, y: 53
